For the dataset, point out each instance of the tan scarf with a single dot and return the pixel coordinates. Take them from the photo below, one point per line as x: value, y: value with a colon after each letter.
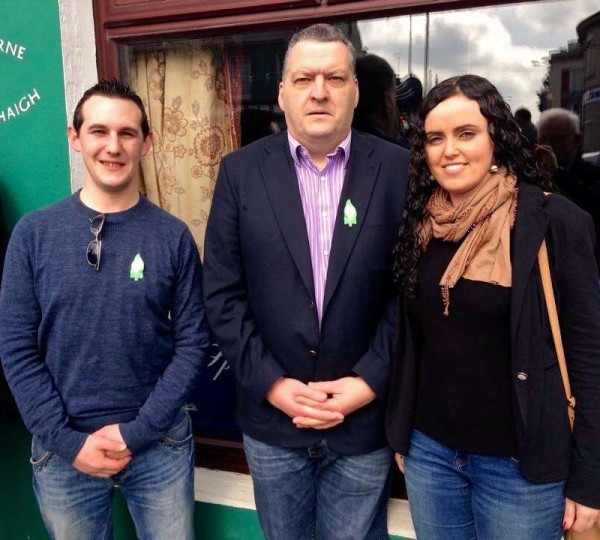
x: 486, y: 219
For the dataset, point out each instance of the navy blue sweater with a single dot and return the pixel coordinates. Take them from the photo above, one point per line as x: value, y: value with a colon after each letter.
x: 83, y: 348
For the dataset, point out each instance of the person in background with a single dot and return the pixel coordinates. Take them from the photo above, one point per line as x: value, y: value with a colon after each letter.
x: 376, y: 112
x: 297, y: 289
x: 477, y: 411
x: 104, y: 335
x: 409, y: 95
x: 575, y: 178
x: 528, y: 129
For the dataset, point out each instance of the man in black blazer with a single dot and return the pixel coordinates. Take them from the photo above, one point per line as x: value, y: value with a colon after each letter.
x: 299, y: 294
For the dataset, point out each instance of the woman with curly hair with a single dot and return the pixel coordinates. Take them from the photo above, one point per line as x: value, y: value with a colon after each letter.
x: 477, y: 412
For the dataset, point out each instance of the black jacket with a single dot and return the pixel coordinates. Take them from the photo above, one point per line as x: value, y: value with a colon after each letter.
x: 546, y: 450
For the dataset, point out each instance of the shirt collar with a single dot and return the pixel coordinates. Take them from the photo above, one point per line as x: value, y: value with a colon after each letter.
x: 344, y: 147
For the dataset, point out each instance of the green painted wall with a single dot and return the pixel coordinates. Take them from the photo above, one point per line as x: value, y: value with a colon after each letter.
x: 34, y: 163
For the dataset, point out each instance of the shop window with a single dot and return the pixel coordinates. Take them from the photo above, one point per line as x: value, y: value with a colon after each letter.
x: 211, y: 86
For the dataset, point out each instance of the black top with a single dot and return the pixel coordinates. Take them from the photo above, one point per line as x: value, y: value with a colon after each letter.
x: 463, y: 393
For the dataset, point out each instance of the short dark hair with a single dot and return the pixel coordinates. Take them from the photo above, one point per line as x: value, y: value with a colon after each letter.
x: 523, y: 113
x: 323, y: 33
x: 111, y: 89
x: 376, y: 78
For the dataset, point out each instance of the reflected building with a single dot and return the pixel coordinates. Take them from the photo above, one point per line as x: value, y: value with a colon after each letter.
x: 574, y: 79
x: 588, y: 32
x: 565, y: 78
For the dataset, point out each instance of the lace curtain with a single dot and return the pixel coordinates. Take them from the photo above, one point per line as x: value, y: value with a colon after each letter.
x: 192, y: 96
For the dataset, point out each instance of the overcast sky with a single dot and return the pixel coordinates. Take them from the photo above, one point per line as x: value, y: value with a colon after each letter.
x: 499, y: 43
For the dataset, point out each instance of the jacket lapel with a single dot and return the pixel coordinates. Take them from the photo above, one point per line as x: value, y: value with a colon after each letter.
x: 361, y: 176
x: 529, y: 231
x: 281, y: 183
x: 530, y: 228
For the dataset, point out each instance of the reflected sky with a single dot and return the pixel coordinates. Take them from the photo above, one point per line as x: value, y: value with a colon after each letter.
x: 499, y: 43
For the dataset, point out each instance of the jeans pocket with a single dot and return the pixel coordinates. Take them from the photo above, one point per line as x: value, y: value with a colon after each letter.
x: 180, y: 433
x: 39, y: 455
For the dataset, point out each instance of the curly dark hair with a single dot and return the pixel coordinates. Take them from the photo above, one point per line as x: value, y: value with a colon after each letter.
x: 510, y: 151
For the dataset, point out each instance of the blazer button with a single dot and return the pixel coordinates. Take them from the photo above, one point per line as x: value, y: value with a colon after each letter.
x: 313, y: 353
x: 313, y: 306
x: 522, y: 376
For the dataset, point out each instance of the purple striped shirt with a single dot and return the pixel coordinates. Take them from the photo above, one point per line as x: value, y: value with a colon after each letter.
x: 320, y: 193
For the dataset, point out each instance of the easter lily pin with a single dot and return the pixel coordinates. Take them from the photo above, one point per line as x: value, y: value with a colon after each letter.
x: 136, y: 272
x: 350, y: 214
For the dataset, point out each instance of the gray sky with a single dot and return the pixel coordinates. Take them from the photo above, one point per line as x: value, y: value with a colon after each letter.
x: 499, y: 43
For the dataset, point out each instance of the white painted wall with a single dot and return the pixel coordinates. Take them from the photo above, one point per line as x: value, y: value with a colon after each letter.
x: 79, y: 64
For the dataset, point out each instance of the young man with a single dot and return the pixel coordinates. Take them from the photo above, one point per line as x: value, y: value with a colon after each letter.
x: 104, y: 335
x: 297, y: 280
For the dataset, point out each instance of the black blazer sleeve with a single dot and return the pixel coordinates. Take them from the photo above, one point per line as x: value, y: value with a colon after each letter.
x: 226, y: 300
x: 375, y: 366
x: 578, y: 297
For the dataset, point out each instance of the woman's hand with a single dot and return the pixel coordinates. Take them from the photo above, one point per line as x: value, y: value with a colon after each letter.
x: 400, y: 461
x: 578, y: 517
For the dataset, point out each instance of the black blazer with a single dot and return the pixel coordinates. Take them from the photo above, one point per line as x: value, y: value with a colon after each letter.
x: 546, y: 450
x: 259, y: 290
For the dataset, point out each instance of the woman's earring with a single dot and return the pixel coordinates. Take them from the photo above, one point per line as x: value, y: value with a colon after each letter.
x: 432, y: 178
x: 494, y: 169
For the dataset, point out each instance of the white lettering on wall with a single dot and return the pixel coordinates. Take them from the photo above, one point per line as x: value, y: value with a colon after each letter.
x: 19, y: 107
x: 12, y: 49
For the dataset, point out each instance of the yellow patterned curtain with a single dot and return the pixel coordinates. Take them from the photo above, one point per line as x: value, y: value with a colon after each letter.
x: 192, y: 97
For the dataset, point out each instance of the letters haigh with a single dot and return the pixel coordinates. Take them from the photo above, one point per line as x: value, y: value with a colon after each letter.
x: 21, y: 106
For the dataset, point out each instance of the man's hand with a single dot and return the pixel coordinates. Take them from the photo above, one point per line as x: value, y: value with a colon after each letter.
x: 113, y: 433
x: 347, y: 395
x: 578, y: 517
x: 298, y: 400
x: 92, y: 458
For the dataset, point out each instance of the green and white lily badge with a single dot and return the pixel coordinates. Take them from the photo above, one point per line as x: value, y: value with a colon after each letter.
x: 350, y: 214
x: 136, y: 271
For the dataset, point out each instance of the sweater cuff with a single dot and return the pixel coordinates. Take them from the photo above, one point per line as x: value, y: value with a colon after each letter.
x: 68, y: 444
x: 137, y: 435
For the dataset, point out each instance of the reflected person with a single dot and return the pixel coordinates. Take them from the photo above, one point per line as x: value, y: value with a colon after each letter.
x: 575, y: 178
x: 376, y: 112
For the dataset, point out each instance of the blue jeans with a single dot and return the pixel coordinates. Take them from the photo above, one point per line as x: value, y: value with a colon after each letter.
x: 457, y: 496
x: 314, y: 492
x: 157, y: 485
